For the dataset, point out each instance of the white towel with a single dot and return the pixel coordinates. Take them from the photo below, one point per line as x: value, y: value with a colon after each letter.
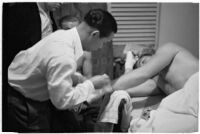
x: 178, y: 112
x: 142, y: 125
x: 110, y: 113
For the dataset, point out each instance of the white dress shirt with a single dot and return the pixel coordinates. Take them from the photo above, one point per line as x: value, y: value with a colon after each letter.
x: 44, y: 71
x: 46, y: 23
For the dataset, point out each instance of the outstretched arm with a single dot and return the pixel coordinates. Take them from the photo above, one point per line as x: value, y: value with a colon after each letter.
x: 159, y: 61
x: 148, y: 88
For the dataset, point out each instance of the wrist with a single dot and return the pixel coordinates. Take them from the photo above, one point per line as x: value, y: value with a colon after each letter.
x: 127, y: 70
x: 95, y: 95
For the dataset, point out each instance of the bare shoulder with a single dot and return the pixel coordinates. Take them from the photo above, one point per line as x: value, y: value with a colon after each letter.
x: 170, y: 48
x: 162, y: 58
x: 181, y: 51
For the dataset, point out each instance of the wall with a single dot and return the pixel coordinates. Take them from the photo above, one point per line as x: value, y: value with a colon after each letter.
x: 179, y: 23
x: 76, y: 9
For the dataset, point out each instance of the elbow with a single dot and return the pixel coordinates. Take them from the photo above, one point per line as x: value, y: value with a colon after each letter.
x: 152, y: 85
x: 172, y: 46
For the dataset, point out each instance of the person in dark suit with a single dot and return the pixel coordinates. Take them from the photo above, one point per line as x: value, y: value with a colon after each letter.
x: 22, y: 28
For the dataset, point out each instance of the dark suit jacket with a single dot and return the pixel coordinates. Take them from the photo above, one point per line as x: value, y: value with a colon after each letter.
x: 21, y: 30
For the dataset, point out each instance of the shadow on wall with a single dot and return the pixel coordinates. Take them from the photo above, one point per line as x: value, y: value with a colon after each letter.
x: 76, y: 9
x: 102, y: 60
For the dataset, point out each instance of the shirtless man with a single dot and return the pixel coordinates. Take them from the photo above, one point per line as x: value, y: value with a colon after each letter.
x: 177, y: 71
x: 173, y: 63
x: 149, y: 87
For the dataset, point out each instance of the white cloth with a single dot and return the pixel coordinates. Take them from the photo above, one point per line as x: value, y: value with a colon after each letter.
x: 44, y: 71
x: 130, y: 61
x: 178, y: 112
x: 110, y: 113
x: 46, y: 23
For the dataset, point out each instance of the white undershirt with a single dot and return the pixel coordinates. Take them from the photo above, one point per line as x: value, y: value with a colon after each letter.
x: 46, y: 24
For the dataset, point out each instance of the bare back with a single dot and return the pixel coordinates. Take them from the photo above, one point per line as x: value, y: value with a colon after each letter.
x: 174, y: 76
x: 173, y: 64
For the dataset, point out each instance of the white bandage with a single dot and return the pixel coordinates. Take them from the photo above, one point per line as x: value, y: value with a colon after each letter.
x: 130, y: 60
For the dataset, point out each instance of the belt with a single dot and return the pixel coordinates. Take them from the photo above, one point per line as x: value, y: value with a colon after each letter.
x: 14, y: 93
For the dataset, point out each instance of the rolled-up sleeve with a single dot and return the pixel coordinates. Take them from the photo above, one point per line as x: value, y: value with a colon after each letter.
x: 61, y: 92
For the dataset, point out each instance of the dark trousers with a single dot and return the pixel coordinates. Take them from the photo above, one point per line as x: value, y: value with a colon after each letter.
x: 27, y: 115
x: 65, y: 121
x: 71, y: 121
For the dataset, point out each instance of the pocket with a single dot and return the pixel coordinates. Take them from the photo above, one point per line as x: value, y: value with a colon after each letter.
x: 18, y: 110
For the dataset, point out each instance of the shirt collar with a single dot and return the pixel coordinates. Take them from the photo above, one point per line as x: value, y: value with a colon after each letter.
x: 41, y: 8
x: 77, y: 44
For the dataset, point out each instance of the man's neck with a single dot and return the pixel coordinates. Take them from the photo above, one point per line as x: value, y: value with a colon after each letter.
x: 84, y: 31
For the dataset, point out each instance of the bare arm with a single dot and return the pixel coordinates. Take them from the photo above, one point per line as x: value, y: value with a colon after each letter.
x: 147, y: 88
x: 159, y: 61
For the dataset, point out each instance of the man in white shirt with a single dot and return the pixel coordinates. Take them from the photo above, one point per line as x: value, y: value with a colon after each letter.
x: 44, y: 72
x: 68, y: 22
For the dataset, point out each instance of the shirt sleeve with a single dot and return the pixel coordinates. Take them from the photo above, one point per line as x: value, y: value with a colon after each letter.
x: 77, y: 78
x: 61, y: 92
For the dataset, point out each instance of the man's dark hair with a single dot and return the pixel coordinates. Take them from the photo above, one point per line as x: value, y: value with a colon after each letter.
x: 101, y: 20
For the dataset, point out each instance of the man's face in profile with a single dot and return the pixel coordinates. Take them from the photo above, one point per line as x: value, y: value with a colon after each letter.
x: 96, y: 42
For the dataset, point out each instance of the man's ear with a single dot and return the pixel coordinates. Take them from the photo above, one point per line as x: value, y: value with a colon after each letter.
x: 95, y: 33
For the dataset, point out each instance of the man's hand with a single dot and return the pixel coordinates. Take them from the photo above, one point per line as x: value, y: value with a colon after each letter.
x: 100, y: 81
x: 102, y: 85
x: 77, y: 78
x: 97, y: 94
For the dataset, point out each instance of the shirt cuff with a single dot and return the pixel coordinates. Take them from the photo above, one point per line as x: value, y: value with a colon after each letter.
x: 90, y: 85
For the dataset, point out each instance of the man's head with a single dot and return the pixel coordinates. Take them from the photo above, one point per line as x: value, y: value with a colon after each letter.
x: 98, y: 27
x: 144, y: 57
x: 52, y: 6
x: 143, y: 60
x: 68, y: 22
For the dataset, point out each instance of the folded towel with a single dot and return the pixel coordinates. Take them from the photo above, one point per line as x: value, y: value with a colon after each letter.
x: 110, y: 113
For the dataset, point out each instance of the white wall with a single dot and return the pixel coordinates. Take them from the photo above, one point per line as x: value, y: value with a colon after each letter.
x: 179, y: 23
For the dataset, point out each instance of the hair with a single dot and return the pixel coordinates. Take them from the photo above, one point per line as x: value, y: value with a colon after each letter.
x: 147, y: 52
x: 68, y: 18
x: 101, y: 20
